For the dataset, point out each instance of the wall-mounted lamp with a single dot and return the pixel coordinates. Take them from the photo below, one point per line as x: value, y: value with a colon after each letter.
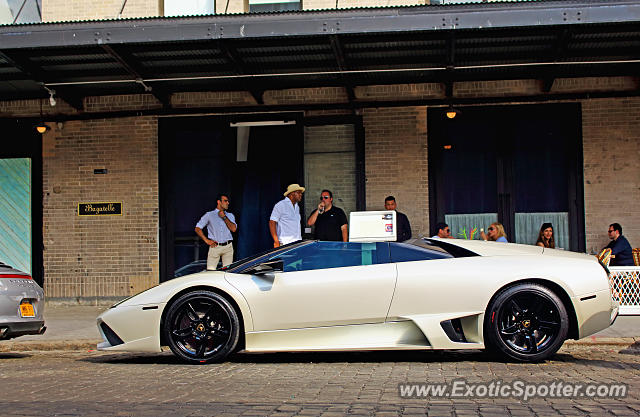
x: 263, y: 123
x: 452, y: 113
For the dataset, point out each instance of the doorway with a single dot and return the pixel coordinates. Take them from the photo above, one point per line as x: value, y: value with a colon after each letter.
x: 518, y: 165
x: 21, y: 198
x: 201, y: 157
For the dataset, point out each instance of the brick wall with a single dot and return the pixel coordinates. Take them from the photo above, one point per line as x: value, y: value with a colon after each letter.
x: 611, y: 140
x: 114, y: 256
x: 70, y: 10
x: 396, y: 162
x: 330, y: 163
x: 103, y: 255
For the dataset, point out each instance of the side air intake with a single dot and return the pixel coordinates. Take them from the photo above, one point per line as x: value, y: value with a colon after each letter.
x: 111, y: 336
x: 453, y: 329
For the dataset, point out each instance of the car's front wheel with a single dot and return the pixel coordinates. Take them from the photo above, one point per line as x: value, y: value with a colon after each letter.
x: 526, y: 322
x: 201, y: 327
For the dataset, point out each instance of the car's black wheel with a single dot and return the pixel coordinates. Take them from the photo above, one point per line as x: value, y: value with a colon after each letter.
x: 526, y: 322
x: 201, y: 327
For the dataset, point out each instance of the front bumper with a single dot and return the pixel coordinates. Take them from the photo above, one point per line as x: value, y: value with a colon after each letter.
x: 131, y: 328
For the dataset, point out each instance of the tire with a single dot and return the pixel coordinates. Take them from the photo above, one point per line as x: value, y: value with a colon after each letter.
x: 202, y: 327
x: 526, y: 322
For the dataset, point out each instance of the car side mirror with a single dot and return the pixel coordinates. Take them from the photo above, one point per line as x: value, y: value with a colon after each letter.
x: 275, y: 265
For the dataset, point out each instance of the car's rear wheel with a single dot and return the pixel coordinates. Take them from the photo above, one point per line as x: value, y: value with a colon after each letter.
x: 201, y: 327
x: 526, y: 322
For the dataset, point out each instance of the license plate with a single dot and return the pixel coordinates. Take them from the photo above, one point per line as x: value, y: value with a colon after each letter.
x: 26, y: 310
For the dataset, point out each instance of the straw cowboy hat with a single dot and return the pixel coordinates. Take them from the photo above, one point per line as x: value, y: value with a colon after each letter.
x: 293, y: 187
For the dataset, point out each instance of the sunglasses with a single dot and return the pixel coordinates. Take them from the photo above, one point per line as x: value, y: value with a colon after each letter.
x: 491, y: 228
x: 610, y: 231
x: 325, y: 197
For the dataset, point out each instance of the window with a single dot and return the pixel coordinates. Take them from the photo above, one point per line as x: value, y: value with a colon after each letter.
x: 188, y: 7
x: 257, y: 6
x: 402, y: 252
x: 20, y: 11
x: 321, y: 255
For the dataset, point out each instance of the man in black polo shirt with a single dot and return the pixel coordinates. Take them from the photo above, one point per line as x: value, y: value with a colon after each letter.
x: 330, y: 221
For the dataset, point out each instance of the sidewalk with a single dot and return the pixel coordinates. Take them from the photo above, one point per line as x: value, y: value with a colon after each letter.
x: 68, y: 328
x: 74, y: 328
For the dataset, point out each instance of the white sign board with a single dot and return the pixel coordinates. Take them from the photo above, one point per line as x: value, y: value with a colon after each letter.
x: 372, y: 226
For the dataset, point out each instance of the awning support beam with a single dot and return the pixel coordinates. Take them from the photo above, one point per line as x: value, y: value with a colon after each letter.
x: 338, y: 53
x: 126, y: 60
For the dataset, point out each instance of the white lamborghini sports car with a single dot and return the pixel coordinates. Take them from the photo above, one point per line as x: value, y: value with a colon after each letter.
x: 519, y: 301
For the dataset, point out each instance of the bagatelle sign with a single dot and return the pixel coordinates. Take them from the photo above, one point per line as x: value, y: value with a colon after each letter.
x: 99, y: 209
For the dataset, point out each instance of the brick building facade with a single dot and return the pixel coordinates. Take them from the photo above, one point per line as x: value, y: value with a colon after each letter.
x: 91, y: 258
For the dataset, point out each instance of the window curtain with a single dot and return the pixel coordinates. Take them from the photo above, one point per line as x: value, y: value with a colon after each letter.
x: 461, y: 224
x: 528, y: 226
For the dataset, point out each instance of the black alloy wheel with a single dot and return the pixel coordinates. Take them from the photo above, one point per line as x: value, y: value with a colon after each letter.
x: 202, y: 327
x: 526, y: 322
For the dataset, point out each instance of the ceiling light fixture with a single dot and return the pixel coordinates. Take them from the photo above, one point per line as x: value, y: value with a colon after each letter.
x: 452, y: 112
x: 264, y: 123
x: 41, y: 127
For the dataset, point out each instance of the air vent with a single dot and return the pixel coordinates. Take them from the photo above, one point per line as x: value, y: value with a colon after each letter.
x: 453, y: 329
x: 111, y: 336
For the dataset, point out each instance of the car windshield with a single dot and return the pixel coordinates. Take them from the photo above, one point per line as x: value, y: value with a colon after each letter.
x: 242, y: 264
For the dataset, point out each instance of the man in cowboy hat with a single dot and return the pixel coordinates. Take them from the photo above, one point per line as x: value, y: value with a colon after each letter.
x: 284, y: 223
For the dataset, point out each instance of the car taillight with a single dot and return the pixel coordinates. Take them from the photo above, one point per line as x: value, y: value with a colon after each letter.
x: 15, y: 276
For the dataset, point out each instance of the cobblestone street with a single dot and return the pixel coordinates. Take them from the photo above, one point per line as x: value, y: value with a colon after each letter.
x: 88, y: 383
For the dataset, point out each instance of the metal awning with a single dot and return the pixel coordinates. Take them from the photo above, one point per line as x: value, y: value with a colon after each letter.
x: 259, y: 52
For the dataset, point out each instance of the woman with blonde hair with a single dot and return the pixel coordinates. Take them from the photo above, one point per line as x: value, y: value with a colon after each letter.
x: 495, y: 232
x: 545, y: 237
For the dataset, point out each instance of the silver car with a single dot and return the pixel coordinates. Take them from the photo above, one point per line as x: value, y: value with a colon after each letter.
x: 21, y: 304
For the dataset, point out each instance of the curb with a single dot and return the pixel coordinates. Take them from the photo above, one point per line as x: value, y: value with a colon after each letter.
x: 87, y: 344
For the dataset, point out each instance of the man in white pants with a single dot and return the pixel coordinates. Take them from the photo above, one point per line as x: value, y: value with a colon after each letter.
x: 284, y: 223
x: 220, y: 224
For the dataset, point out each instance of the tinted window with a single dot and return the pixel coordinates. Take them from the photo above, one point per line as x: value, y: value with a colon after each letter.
x: 320, y: 255
x: 402, y: 252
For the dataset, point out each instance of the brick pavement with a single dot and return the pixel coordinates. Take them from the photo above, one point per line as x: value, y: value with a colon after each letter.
x: 90, y: 383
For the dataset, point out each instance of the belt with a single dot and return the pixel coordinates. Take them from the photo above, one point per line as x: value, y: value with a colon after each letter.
x: 228, y: 242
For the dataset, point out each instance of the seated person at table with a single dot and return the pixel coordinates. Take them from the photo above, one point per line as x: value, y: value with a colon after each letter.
x: 495, y: 232
x: 545, y: 237
x: 621, y: 253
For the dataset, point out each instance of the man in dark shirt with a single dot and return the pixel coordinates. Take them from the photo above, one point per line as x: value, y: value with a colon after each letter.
x: 330, y: 221
x: 402, y: 222
x: 621, y: 253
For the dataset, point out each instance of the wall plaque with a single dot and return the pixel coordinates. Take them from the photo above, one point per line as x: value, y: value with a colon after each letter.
x: 99, y: 209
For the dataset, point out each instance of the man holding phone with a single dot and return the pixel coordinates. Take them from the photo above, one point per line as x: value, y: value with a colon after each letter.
x: 330, y: 221
x: 220, y: 224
